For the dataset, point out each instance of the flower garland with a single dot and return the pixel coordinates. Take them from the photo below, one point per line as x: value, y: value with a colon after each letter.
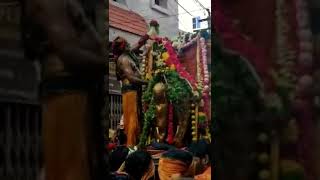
x: 194, y: 123
x: 170, y: 124
x: 189, y: 43
x: 177, y: 90
x: 206, y: 88
x: 304, y: 35
x: 284, y: 77
x: 304, y: 84
x: 172, y: 61
x: 149, y: 117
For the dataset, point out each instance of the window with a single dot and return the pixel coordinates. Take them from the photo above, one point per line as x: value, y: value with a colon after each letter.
x: 196, y: 23
x: 161, y: 3
x: 120, y: 1
x: 160, y: 6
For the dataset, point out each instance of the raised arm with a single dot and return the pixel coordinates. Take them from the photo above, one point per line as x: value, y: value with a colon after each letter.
x: 141, y: 42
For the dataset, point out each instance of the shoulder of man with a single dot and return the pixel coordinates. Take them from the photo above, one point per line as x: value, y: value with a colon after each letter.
x: 124, y: 58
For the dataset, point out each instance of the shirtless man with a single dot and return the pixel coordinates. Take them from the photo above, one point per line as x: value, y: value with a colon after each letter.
x: 128, y: 73
x: 73, y: 68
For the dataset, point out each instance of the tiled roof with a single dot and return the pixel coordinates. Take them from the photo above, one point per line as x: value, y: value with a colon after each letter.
x: 126, y: 20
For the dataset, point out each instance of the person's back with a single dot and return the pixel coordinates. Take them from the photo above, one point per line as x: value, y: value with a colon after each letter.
x: 139, y: 166
x: 117, y: 157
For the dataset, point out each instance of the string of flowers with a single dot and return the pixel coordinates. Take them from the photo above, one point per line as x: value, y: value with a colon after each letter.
x: 190, y: 43
x: 199, y: 67
x: 206, y: 88
x: 173, y: 62
x: 305, y: 82
x: 143, y: 66
x: 285, y: 55
x: 194, y: 123
x: 170, y: 124
x: 304, y: 35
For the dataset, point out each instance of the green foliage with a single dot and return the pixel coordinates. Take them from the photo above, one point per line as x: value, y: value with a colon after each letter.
x: 149, y: 117
x: 202, y: 119
x: 177, y: 89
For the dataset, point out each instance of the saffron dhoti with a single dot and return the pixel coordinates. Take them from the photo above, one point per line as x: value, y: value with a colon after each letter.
x: 130, y: 117
x: 65, y: 128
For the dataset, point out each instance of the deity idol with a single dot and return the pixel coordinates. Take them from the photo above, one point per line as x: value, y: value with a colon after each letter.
x: 167, y: 106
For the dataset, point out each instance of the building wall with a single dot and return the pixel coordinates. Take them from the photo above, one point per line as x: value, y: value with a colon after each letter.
x: 168, y: 23
x: 131, y: 38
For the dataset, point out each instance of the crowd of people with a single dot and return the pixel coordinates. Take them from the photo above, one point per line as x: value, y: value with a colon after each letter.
x: 192, y: 162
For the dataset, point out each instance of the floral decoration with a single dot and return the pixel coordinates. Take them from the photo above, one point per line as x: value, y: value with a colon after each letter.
x: 170, y: 125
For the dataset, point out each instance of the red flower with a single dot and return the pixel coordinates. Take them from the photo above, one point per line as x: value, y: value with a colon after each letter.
x: 170, y: 125
x: 154, y: 23
x: 111, y: 146
x: 173, y: 59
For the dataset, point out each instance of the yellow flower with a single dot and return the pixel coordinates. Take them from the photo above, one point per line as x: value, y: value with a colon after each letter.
x: 165, y: 56
x: 172, y: 67
x: 264, y: 174
x: 288, y: 166
x: 148, y: 76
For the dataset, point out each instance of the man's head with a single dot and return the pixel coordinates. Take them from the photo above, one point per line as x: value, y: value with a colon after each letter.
x: 117, y: 157
x: 119, y: 45
x: 121, y: 136
x: 137, y: 164
x: 201, y: 152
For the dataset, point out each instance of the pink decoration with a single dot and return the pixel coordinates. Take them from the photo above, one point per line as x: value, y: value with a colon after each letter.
x: 305, y: 35
x: 302, y: 16
x: 302, y: 105
x: 306, y: 46
x: 305, y: 81
x: 206, y: 87
x: 205, y: 77
x: 306, y: 59
x: 204, y: 51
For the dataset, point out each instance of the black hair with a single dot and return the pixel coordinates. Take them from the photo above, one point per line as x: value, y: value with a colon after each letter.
x: 180, y: 155
x: 200, y: 149
x: 116, y: 176
x: 119, y: 46
x: 122, y: 138
x: 117, y: 157
x: 137, y: 164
